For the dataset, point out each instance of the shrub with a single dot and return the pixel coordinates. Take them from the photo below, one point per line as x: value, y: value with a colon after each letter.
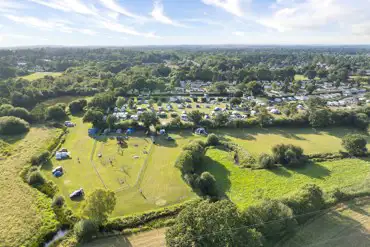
x: 40, y: 158
x: 361, y: 121
x: 207, y: 184
x: 58, y: 201
x: 13, y: 125
x: 85, y: 230
x: 279, y: 216
x: 320, y: 118
x: 77, y: 106
x: 56, y: 112
x: 355, y: 144
x: 306, y: 202
x: 266, y: 161
x: 185, y: 162
x: 288, y: 154
x: 35, y: 178
x: 19, y: 112
x: 212, y: 140
x: 174, y: 114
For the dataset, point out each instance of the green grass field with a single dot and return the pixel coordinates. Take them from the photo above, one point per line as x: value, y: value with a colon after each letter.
x: 347, y: 225
x: 62, y: 99
x: 39, y: 75
x: 245, y: 186
x: 257, y: 140
x: 22, y: 208
x: 160, y: 182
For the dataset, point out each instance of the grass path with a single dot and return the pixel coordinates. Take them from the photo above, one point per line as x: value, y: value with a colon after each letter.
x: 22, y: 209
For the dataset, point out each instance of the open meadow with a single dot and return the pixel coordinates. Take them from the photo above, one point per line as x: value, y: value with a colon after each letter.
x: 22, y: 208
x: 346, y: 225
x: 39, y: 75
x: 261, y: 140
x: 246, y: 187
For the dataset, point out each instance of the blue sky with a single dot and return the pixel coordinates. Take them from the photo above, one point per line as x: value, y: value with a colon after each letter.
x: 175, y: 22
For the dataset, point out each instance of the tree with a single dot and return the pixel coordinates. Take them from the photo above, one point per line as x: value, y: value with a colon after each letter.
x: 278, y: 216
x: 120, y: 102
x: 207, y: 184
x: 311, y: 74
x: 355, y: 144
x: 254, y: 88
x: 220, y: 87
x: 85, y: 230
x: 195, y: 116
x: 288, y: 154
x: 56, y: 112
x: 266, y: 161
x: 235, y: 101
x: 315, y: 102
x: 310, y: 88
x: 361, y: 121
x: 319, y: 118
x: 111, y: 120
x: 98, y: 205
x: 93, y: 116
x: 221, y: 119
x: 212, y: 140
x: 264, y: 117
x: 13, y: 126
x: 204, y: 224
x: 77, y: 106
x: 148, y: 119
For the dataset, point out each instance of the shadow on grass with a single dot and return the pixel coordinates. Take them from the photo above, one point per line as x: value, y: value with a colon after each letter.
x: 161, y: 141
x: 313, y: 170
x: 11, y: 139
x: 280, y: 171
x: 220, y: 173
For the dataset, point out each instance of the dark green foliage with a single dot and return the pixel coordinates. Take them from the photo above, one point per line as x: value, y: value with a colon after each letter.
x: 195, y: 116
x: 361, y: 121
x: 210, y: 224
x: 35, y: 178
x: 95, y: 117
x: 306, y: 202
x: 13, y: 125
x: 207, y: 184
x: 56, y: 112
x: 212, y: 140
x: 19, y: 112
x: 40, y: 158
x: 77, y: 106
x: 85, y: 230
x: 288, y: 154
x: 38, y: 113
x: 102, y: 101
x: 235, y: 101
x: 320, y: 118
x: 355, y: 144
x: 148, y: 119
x: 266, y: 161
x: 185, y: 162
x: 58, y: 201
x: 272, y: 218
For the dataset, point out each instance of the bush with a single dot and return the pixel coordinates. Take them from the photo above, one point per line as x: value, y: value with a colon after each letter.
x: 288, y: 154
x: 19, y: 112
x: 58, y: 201
x: 212, y: 140
x: 355, y: 144
x: 77, y: 106
x: 207, y: 184
x: 85, y: 230
x: 279, y: 216
x: 361, y: 121
x: 13, y: 125
x: 185, y: 162
x: 174, y: 114
x: 266, y: 161
x: 320, y: 118
x: 56, y: 112
x: 306, y: 202
x: 40, y: 158
x: 35, y: 178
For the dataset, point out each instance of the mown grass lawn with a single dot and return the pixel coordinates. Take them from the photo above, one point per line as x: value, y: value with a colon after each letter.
x: 62, y: 99
x: 258, y: 140
x: 160, y: 184
x: 246, y: 187
x: 23, y: 210
x: 39, y: 75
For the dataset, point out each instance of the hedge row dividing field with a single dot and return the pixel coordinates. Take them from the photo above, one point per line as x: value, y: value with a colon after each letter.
x: 24, y: 211
x: 246, y: 187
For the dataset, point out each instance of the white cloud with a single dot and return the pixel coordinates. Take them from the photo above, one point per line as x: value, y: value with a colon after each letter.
x: 231, y: 6
x: 361, y: 29
x: 75, y: 6
x: 9, y: 6
x: 48, y: 25
x: 159, y: 15
x: 117, y: 27
x: 115, y: 7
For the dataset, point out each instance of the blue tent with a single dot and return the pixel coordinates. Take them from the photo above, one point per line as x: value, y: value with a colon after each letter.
x: 129, y: 131
x: 93, y: 131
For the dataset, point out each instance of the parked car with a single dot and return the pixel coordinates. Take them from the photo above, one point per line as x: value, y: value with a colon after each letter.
x: 77, y: 193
